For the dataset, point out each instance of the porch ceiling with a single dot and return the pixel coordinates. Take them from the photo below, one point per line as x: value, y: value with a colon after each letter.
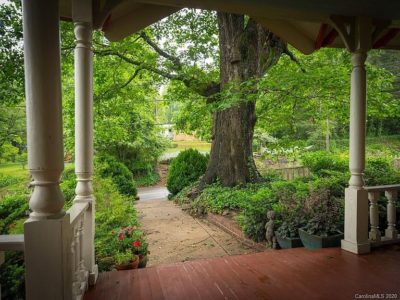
x: 306, y: 24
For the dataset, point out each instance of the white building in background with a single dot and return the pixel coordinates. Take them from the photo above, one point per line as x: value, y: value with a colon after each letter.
x: 167, y: 131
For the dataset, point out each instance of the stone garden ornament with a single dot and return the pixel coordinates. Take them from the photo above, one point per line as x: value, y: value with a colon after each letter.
x: 269, y: 230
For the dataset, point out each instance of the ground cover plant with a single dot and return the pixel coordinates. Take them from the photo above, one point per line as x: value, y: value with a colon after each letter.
x: 315, y: 203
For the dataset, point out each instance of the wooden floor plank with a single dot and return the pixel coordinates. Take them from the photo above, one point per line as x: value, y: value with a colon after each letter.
x: 285, y: 274
x: 201, y: 280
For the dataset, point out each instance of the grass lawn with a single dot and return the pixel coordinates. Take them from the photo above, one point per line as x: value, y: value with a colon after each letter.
x: 15, y: 169
x: 183, y: 145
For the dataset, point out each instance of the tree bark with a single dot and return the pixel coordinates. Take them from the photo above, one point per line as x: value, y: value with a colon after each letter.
x: 247, y: 51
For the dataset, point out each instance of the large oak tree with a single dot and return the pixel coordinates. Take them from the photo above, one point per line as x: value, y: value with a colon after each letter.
x: 246, y: 51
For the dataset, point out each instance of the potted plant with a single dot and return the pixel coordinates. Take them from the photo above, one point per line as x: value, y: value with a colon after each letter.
x: 126, y: 261
x: 287, y: 234
x: 324, y: 227
x: 140, y: 246
x: 293, y: 217
x: 130, y: 246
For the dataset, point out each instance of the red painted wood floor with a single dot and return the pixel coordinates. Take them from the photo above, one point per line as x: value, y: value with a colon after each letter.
x: 283, y: 274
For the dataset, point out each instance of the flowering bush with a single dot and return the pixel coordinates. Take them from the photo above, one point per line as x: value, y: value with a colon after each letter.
x: 129, y: 240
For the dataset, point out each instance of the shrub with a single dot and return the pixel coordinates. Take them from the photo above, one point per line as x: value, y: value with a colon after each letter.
x: 112, y: 211
x: 325, y: 213
x: 108, y: 166
x: 6, y: 180
x: 185, y: 169
x: 254, y: 215
x: 12, y: 208
x: 12, y: 276
x: 379, y: 171
x: 321, y: 161
x: 148, y: 179
x: 68, y: 185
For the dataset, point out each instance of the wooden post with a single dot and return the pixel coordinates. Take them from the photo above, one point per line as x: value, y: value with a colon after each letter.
x: 47, y: 227
x: 358, y: 42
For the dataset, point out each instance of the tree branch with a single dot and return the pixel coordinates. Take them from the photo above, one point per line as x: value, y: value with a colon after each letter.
x: 292, y: 57
x: 123, y: 85
x: 175, y: 60
x: 207, y: 91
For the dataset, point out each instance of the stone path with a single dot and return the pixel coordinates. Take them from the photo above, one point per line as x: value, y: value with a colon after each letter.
x: 175, y: 236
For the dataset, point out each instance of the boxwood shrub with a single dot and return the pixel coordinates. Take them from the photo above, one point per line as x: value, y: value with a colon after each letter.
x: 108, y: 166
x: 185, y: 169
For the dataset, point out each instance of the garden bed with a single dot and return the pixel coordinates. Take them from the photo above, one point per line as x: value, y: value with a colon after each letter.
x: 231, y: 227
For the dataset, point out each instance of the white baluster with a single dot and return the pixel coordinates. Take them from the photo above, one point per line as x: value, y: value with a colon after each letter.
x: 82, y: 269
x: 73, y: 264
x: 391, y: 231
x: 77, y: 254
x: 374, y: 234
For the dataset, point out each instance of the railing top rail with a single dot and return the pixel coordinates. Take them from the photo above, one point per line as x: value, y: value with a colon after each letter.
x: 76, y: 211
x: 382, y: 188
x: 12, y: 242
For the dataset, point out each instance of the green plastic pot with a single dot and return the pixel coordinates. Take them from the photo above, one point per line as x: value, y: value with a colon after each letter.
x: 311, y: 241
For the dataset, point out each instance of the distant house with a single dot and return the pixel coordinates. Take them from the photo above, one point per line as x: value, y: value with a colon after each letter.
x: 167, y: 131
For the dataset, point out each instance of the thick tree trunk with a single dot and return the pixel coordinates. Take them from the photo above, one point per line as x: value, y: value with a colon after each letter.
x: 246, y: 51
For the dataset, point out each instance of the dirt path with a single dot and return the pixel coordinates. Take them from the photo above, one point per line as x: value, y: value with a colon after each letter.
x: 175, y: 236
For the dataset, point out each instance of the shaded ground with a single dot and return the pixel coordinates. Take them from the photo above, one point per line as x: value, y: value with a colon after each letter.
x: 175, y: 236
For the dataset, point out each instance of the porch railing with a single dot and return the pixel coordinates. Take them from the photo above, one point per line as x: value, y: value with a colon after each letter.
x: 390, y: 233
x: 10, y: 243
x: 76, y: 274
x: 80, y: 274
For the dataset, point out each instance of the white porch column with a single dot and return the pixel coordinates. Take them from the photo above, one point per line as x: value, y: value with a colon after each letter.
x: 356, y: 198
x: 45, y: 232
x: 84, y: 138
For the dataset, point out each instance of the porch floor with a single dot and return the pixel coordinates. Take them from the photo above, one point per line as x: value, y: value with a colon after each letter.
x: 285, y: 274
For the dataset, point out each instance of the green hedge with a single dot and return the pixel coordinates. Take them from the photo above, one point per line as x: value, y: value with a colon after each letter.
x: 185, y: 169
x: 108, y: 166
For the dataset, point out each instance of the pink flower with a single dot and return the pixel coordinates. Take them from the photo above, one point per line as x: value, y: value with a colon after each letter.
x: 120, y: 236
x: 136, y: 244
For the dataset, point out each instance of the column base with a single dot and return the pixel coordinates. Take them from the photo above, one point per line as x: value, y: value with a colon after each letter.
x: 93, y: 275
x: 356, y: 221
x: 391, y: 233
x: 356, y: 248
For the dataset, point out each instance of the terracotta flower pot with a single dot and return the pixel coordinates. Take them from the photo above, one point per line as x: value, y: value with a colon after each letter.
x: 128, y: 266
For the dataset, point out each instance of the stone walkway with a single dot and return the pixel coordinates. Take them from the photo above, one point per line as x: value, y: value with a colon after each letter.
x: 175, y: 236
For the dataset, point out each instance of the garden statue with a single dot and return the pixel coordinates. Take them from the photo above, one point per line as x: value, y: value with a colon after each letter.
x: 269, y: 230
